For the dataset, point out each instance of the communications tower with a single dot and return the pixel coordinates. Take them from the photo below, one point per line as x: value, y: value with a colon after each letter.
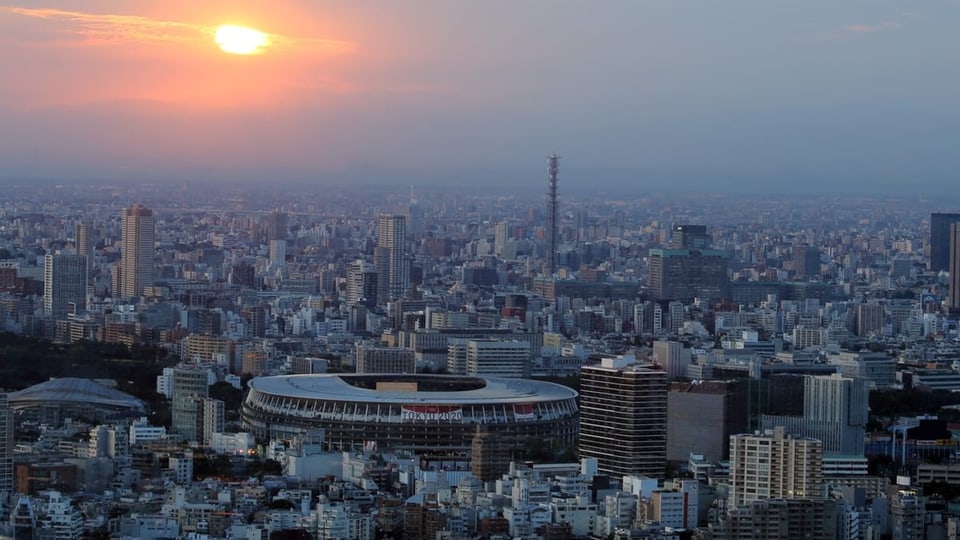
x: 553, y: 168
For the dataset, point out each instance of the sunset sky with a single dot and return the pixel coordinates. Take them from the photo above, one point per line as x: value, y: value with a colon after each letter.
x: 632, y: 92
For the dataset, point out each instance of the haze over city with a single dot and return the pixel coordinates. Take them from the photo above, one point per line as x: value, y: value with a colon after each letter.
x: 479, y: 270
x: 742, y: 96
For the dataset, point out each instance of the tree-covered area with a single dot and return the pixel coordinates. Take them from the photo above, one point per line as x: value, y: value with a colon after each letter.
x: 28, y: 361
x: 893, y: 403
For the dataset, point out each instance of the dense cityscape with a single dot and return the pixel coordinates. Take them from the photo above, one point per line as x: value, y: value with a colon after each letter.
x: 198, y: 361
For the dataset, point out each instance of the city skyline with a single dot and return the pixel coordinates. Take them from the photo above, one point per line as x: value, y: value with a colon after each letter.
x: 748, y: 96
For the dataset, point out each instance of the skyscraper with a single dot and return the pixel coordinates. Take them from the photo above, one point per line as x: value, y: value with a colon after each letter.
x: 361, y: 284
x: 137, y: 247
x: 86, y: 240
x: 623, y: 417
x: 276, y: 226
x: 553, y: 224
x: 955, y: 267
x: 64, y: 285
x: 189, y: 391
x: 6, y: 446
x: 940, y: 240
x: 390, y: 258
x: 806, y: 261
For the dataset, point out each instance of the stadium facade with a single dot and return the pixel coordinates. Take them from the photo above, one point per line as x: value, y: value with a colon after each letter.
x: 422, y: 413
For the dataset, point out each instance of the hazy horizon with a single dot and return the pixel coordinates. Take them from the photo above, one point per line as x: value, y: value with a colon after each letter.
x: 641, y: 96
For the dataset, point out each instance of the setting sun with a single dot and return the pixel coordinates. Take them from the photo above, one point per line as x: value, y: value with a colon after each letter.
x: 241, y: 40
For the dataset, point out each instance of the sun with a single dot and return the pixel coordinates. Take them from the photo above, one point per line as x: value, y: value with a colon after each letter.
x: 241, y: 40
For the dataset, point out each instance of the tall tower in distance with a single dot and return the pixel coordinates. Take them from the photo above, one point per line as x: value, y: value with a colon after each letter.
x: 277, y: 226
x: 390, y: 257
x: 553, y: 169
x: 940, y: 240
x: 86, y: 240
x: 137, y: 246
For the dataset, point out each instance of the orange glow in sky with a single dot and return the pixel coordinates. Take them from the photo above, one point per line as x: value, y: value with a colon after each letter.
x: 167, y: 58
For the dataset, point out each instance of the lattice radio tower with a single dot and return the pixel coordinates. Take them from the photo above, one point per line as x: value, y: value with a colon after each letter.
x: 553, y: 168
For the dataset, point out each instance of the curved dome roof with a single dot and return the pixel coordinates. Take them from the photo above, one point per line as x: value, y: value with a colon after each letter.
x: 74, y: 390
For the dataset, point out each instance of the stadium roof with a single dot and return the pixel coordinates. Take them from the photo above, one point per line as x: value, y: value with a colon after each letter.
x: 74, y: 390
x: 349, y: 388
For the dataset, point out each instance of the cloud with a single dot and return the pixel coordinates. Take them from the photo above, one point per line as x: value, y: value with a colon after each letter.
x: 868, y: 28
x: 107, y: 29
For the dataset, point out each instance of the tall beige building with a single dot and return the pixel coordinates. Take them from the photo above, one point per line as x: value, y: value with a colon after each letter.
x: 774, y: 465
x: 137, y: 246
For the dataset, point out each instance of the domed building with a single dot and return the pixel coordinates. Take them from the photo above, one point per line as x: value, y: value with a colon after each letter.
x: 52, y: 401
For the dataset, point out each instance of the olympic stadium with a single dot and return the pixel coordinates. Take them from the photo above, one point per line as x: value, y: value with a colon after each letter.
x: 415, y: 412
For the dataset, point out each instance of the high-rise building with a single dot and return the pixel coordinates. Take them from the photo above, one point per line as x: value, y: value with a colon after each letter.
x: 6, y: 446
x: 64, y: 285
x: 390, y: 258
x: 774, y: 465
x: 806, y: 260
x: 278, y: 253
x: 361, y: 284
x: 672, y: 356
x: 501, y: 234
x: 955, y: 267
x: 210, y: 419
x: 868, y: 318
x: 835, y: 411
x: 276, y: 226
x: 137, y: 247
x: 940, y: 240
x: 690, y: 237
x: 623, y: 417
x: 86, y: 241
x: 189, y: 390
x: 685, y: 274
